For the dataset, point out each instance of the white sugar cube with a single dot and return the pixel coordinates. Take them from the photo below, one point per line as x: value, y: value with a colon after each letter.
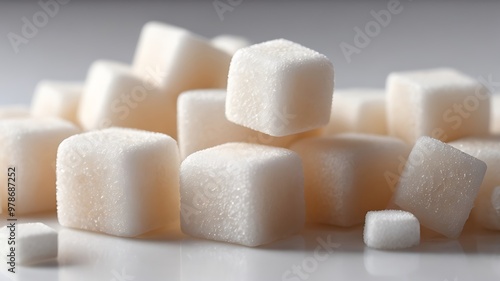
x: 57, y: 99
x: 29, y: 146
x: 391, y: 229
x: 230, y: 43
x: 358, y: 110
x: 34, y: 243
x: 485, y: 211
x: 202, y: 123
x: 349, y: 175
x: 242, y: 193
x: 440, y: 103
x: 179, y: 60
x: 14, y: 111
x: 116, y: 97
x: 118, y: 181
x: 439, y: 185
x: 279, y: 88
x: 495, y: 114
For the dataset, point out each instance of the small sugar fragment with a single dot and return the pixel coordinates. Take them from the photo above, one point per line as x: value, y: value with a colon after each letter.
x: 34, y: 242
x: 391, y: 229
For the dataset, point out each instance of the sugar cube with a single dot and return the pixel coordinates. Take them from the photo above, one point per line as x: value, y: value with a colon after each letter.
x: 487, y: 150
x: 230, y: 43
x: 348, y: 175
x: 179, y: 60
x: 391, y: 229
x: 28, y: 151
x: 439, y: 185
x: 279, y: 88
x: 115, y: 96
x: 202, y: 123
x: 57, y: 99
x: 14, y: 111
x: 118, y: 181
x: 358, y: 110
x: 242, y: 193
x: 495, y: 114
x: 440, y: 103
x: 34, y: 243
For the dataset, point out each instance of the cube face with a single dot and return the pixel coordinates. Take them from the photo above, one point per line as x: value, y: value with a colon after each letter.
x: 242, y: 193
x: 486, y: 149
x: 183, y: 60
x: 202, y: 123
x: 346, y: 175
x: 391, y: 229
x: 14, y: 111
x: 121, y: 182
x: 230, y: 43
x: 57, y: 99
x: 279, y: 88
x: 359, y: 111
x: 115, y: 96
x: 35, y: 242
x: 439, y: 185
x: 30, y: 146
x: 441, y: 103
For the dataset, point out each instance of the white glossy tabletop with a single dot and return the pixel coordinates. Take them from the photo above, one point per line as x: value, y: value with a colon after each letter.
x: 318, y: 253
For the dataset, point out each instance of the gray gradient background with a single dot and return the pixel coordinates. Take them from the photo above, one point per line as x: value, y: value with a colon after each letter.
x: 460, y: 34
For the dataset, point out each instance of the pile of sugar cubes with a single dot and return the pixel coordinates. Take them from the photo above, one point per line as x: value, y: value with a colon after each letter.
x: 245, y: 143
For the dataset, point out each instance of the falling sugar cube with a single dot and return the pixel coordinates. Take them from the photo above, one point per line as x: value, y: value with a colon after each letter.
x: 349, y: 175
x: 279, y: 88
x: 439, y: 185
x: 34, y: 243
x: 57, y: 99
x: 118, y: 181
x: 359, y: 111
x: 14, y: 111
x: 29, y: 146
x: 495, y: 114
x: 487, y: 149
x: 391, y: 229
x: 179, y: 60
x: 440, y: 103
x: 202, y: 123
x: 242, y: 193
x: 230, y: 43
x: 115, y: 96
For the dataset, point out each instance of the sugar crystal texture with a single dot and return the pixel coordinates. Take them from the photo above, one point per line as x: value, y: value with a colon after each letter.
x: 118, y: 181
x: 115, y: 96
x: 439, y: 185
x: 179, y: 59
x: 279, y: 88
x: 358, y: 110
x: 57, y: 99
x: 242, y: 193
x: 486, y: 206
x: 495, y: 114
x: 348, y: 175
x: 440, y: 103
x: 29, y: 147
x: 34, y: 243
x: 14, y: 111
x: 230, y: 43
x: 391, y: 229
x: 202, y: 123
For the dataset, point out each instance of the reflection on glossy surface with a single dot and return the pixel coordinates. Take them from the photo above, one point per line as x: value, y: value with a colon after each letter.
x: 318, y: 253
